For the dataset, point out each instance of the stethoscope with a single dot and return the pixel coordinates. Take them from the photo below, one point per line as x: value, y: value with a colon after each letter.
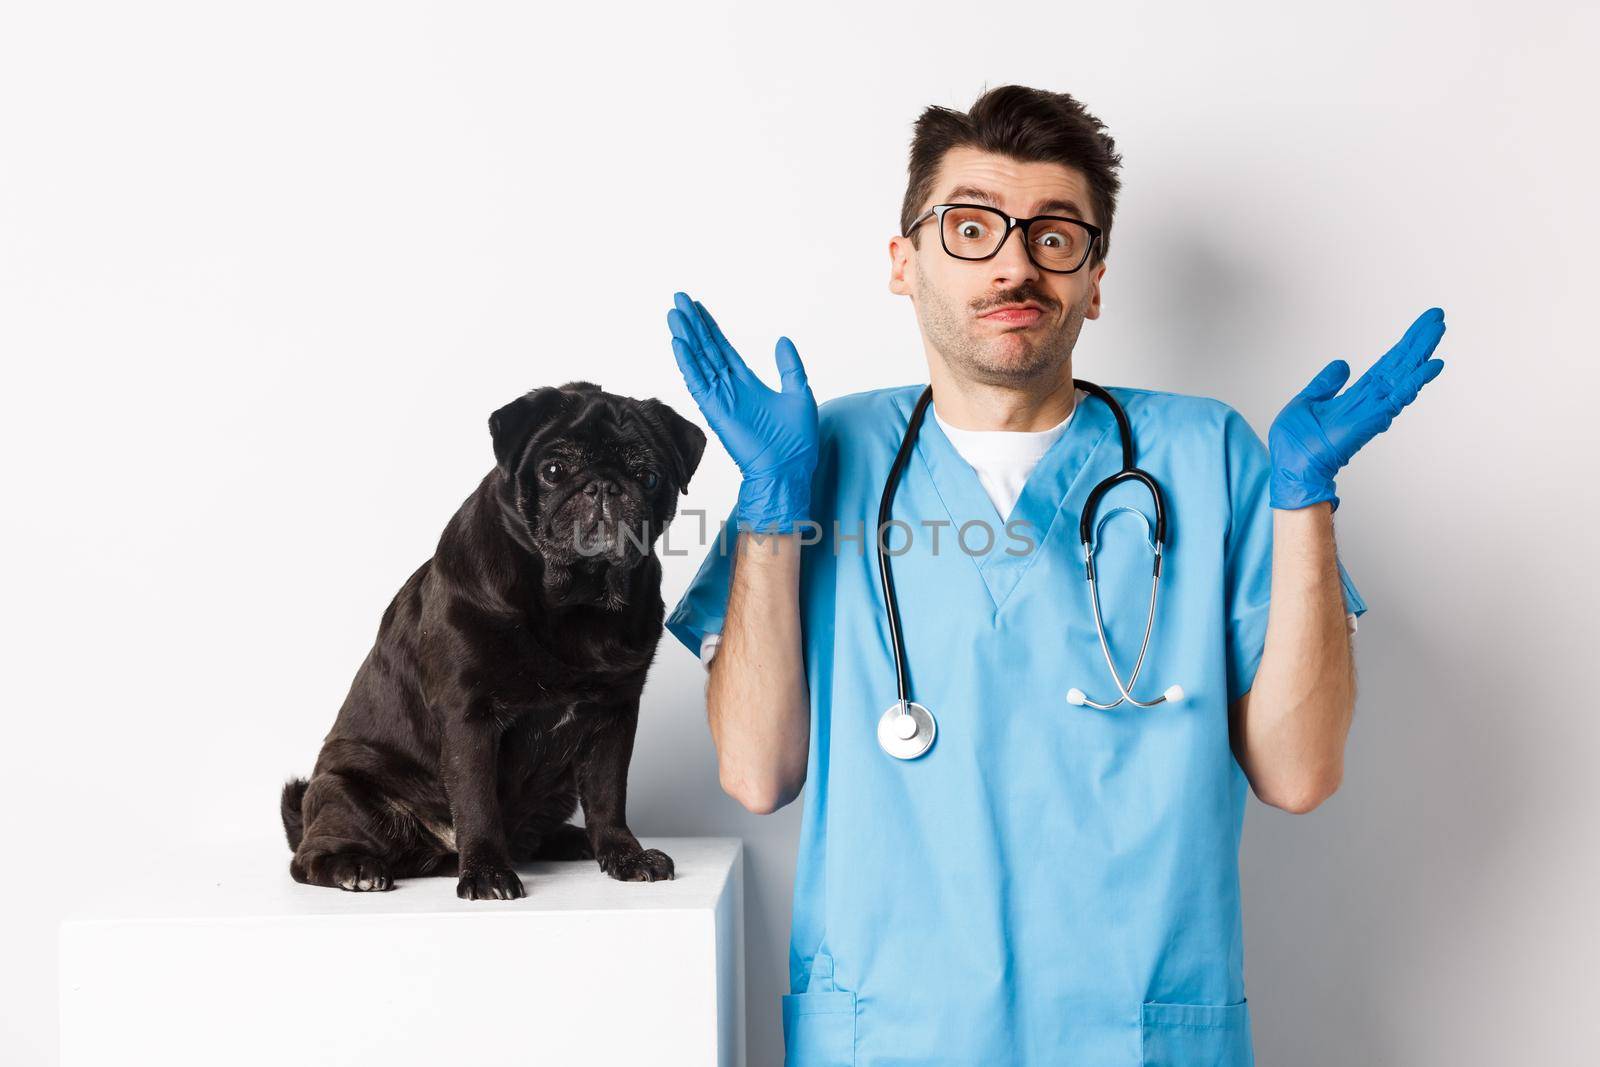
x: 906, y: 729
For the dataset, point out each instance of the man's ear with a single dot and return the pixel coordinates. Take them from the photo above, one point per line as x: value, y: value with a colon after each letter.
x: 688, y: 441
x: 512, y: 425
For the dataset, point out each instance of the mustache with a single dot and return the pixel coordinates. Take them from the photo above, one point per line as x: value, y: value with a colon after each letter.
x: 1044, y: 303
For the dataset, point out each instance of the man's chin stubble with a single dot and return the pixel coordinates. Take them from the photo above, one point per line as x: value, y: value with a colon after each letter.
x: 1021, y: 367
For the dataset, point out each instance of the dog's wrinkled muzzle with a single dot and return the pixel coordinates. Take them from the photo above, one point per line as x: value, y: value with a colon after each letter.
x: 607, y: 526
x: 611, y: 540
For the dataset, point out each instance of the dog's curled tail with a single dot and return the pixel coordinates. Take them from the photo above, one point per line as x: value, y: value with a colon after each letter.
x: 294, y: 790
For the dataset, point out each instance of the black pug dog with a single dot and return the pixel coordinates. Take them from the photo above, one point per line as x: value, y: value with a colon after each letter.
x: 503, y: 687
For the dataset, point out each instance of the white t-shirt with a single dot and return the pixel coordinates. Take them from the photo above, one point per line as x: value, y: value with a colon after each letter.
x: 1003, y: 460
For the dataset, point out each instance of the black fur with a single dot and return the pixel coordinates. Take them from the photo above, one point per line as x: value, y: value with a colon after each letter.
x: 503, y: 688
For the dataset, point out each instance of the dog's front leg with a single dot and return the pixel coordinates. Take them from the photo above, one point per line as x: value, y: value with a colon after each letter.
x: 470, y: 751
x: 603, y: 791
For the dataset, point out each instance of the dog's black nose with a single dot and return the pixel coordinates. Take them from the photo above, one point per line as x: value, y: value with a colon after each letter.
x: 602, y: 485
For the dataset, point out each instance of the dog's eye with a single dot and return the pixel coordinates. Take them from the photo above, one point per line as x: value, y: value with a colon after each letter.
x: 649, y: 479
x: 553, y: 471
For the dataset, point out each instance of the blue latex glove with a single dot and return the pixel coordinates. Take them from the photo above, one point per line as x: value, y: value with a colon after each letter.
x: 1317, y: 432
x: 771, y: 435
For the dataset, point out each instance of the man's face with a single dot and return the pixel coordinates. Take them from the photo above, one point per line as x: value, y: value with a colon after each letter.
x: 951, y: 296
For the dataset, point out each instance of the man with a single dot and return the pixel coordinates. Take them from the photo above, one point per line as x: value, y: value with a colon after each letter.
x: 1047, y: 882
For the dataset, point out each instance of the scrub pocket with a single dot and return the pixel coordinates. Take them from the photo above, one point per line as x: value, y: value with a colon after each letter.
x: 819, y: 1029
x: 819, y: 1025
x: 1197, y: 1035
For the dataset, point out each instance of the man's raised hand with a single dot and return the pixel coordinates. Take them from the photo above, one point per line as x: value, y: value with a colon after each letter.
x: 1318, y: 431
x: 771, y: 434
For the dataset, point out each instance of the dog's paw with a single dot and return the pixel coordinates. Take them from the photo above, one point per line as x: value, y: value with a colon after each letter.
x: 636, y: 865
x: 359, y: 874
x: 489, y: 882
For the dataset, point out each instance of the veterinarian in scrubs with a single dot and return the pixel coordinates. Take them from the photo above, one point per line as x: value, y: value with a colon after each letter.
x: 1048, y: 883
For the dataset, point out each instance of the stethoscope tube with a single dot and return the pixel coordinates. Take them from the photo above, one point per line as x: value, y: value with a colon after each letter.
x: 896, y: 640
x: 906, y: 729
x: 1129, y: 472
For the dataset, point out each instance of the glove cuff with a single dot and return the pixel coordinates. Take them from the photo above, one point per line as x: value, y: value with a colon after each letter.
x: 775, y: 501
x: 1286, y: 495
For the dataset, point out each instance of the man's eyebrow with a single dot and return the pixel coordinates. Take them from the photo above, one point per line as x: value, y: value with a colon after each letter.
x: 1052, y: 206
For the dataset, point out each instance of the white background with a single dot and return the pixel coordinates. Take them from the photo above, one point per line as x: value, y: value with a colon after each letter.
x: 266, y: 269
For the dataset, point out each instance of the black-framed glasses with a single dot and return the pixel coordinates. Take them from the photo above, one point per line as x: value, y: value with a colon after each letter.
x: 1054, y: 243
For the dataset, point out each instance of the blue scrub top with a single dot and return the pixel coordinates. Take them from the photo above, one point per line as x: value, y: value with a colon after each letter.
x: 1048, y: 883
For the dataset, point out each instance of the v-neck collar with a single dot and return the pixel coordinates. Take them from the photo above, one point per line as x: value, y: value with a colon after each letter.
x: 1057, y: 476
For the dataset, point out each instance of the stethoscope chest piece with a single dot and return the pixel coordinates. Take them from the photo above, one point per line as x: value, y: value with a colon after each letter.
x: 906, y: 730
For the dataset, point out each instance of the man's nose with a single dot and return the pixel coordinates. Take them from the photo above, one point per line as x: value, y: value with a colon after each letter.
x: 1012, y: 260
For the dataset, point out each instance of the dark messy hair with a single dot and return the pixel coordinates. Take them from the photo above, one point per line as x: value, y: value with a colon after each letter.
x: 1028, y: 125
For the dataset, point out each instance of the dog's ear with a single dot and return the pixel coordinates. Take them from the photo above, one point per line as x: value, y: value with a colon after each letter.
x: 688, y: 440
x: 512, y: 425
